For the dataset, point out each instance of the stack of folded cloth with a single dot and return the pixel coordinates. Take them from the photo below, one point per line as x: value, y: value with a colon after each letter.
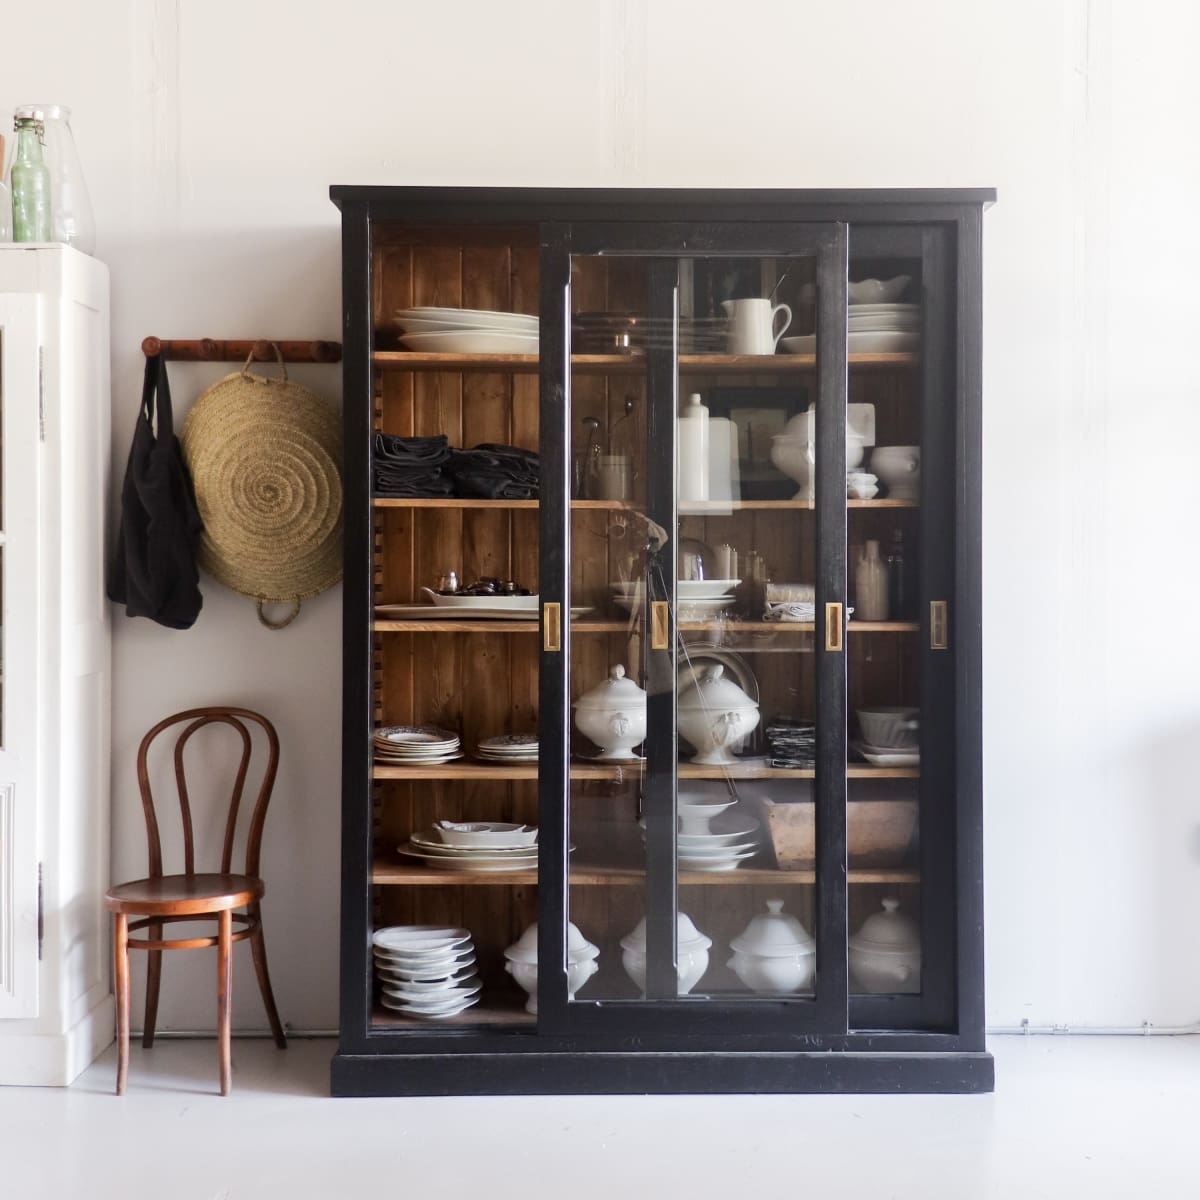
x: 496, y: 472
x: 790, y: 602
x: 791, y: 743
x: 430, y: 466
x: 412, y: 466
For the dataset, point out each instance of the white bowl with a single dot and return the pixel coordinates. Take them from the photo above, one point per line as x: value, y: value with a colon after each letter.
x: 889, y: 728
x: 878, y: 291
x: 900, y: 468
x: 696, y: 809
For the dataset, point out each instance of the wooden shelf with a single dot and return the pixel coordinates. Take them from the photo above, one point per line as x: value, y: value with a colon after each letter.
x: 449, y: 502
x: 387, y: 872
x: 621, y: 364
x: 495, y: 771
x: 531, y: 626
x: 484, y: 1013
x: 688, y: 508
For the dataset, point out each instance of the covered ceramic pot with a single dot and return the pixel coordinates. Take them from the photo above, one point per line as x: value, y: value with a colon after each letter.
x: 714, y: 714
x: 774, y: 953
x: 885, y: 954
x: 613, y: 715
x: 691, y: 953
x: 521, y: 962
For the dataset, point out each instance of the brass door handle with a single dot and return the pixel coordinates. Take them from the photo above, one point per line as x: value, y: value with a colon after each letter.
x: 552, y: 626
x: 939, y: 625
x: 660, y: 625
x: 833, y: 627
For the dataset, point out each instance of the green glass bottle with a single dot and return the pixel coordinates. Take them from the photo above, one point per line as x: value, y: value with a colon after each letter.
x: 30, y: 185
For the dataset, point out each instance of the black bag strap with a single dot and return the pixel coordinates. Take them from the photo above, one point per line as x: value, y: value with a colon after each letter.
x: 155, y: 380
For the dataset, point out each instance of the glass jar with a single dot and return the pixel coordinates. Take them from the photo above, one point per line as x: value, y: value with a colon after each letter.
x: 71, y: 221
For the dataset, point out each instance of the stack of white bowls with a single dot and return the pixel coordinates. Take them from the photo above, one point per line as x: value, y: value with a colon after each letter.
x: 774, y: 953
x: 425, y: 971
x: 521, y: 962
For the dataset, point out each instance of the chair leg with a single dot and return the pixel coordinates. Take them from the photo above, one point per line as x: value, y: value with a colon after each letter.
x: 121, y: 960
x: 224, y: 997
x: 259, y: 949
x: 153, y: 976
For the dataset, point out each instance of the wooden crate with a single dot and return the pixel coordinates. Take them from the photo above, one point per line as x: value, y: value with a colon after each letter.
x: 880, y: 833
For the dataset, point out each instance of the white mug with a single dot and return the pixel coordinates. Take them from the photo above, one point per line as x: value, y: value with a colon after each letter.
x: 754, y: 327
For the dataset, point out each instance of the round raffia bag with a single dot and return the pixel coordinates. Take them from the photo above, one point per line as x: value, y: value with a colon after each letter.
x: 264, y: 455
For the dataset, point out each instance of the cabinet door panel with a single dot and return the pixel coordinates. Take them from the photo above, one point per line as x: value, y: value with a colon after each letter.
x: 690, y: 721
x: 20, y: 400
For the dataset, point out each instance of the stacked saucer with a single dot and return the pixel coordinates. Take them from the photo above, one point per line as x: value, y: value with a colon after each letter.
x: 477, y: 847
x: 425, y: 971
x: 415, y: 745
x: 882, y: 327
x: 729, y: 838
x: 509, y: 748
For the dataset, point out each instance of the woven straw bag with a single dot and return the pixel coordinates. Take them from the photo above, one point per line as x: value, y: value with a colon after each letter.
x: 265, y: 459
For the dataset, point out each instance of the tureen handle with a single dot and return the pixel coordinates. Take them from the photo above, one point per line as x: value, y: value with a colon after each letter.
x: 619, y: 724
x: 725, y: 727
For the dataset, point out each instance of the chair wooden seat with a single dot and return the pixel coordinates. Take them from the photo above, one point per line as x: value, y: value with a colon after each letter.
x: 159, y: 899
x: 179, y: 895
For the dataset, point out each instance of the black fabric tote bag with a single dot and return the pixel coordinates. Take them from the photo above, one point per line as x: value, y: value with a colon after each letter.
x: 154, y: 572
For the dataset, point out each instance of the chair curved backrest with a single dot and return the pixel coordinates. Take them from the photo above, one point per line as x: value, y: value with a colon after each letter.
x: 195, y: 719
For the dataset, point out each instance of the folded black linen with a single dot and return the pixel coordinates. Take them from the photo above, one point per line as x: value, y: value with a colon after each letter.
x: 496, y: 471
x: 412, y: 451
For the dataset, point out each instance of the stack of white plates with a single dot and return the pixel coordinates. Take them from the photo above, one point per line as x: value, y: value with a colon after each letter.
x: 732, y: 838
x: 509, y: 748
x: 467, y: 331
x: 698, y: 600
x: 426, y: 970
x: 517, y: 853
x: 870, y: 329
x: 416, y: 745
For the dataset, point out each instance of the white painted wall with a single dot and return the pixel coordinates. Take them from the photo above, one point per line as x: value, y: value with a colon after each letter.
x: 211, y: 131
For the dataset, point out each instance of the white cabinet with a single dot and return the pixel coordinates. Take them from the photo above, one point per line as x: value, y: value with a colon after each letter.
x: 55, y: 996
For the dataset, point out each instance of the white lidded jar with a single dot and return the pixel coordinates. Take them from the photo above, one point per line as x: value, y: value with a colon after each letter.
x: 693, y: 450
x: 521, y: 962
x: 885, y: 954
x: 774, y: 953
x: 714, y: 714
x: 613, y: 715
x: 691, y: 953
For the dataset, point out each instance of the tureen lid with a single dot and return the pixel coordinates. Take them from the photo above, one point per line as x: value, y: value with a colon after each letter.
x: 687, y: 936
x: 616, y: 691
x: 524, y: 949
x: 711, y: 691
x: 774, y: 934
x: 890, y: 930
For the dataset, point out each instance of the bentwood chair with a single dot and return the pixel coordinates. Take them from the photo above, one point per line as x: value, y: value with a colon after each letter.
x: 161, y: 899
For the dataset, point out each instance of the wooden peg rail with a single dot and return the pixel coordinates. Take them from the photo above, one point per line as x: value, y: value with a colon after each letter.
x: 208, y: 350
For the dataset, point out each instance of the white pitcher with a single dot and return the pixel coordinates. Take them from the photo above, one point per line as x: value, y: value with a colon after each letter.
x: 754, y: 326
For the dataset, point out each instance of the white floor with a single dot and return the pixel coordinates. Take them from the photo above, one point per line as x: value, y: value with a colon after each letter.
x: 1072, y: 1116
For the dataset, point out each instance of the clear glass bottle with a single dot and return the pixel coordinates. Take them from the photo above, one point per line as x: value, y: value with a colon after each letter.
x: 30, y: 181
x: 72, y: 221
x: 6, y: 232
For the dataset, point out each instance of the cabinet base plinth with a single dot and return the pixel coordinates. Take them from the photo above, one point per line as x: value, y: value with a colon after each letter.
x: 599, y: 1073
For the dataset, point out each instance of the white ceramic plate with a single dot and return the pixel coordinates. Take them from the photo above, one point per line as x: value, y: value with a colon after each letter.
x: 417, y: 735
x: 509, y: 603
x: 470, y: 318
x: 725, y: 830
x: 437, y: 971
x: 403, y: 1006
x: 689, y: 589
x: 883, y: 325
x: 459, y: 967
x: 427, y: 612
x: 429, y: 841
x: 429, y: 986
x: 417, y: 939
x: 482, y: 834
x: 437, y: 998
x: 482, y: 862
x: 882, y: 309
x: 857, y: 343
x: 879, y: 757
x: 472, y: 341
